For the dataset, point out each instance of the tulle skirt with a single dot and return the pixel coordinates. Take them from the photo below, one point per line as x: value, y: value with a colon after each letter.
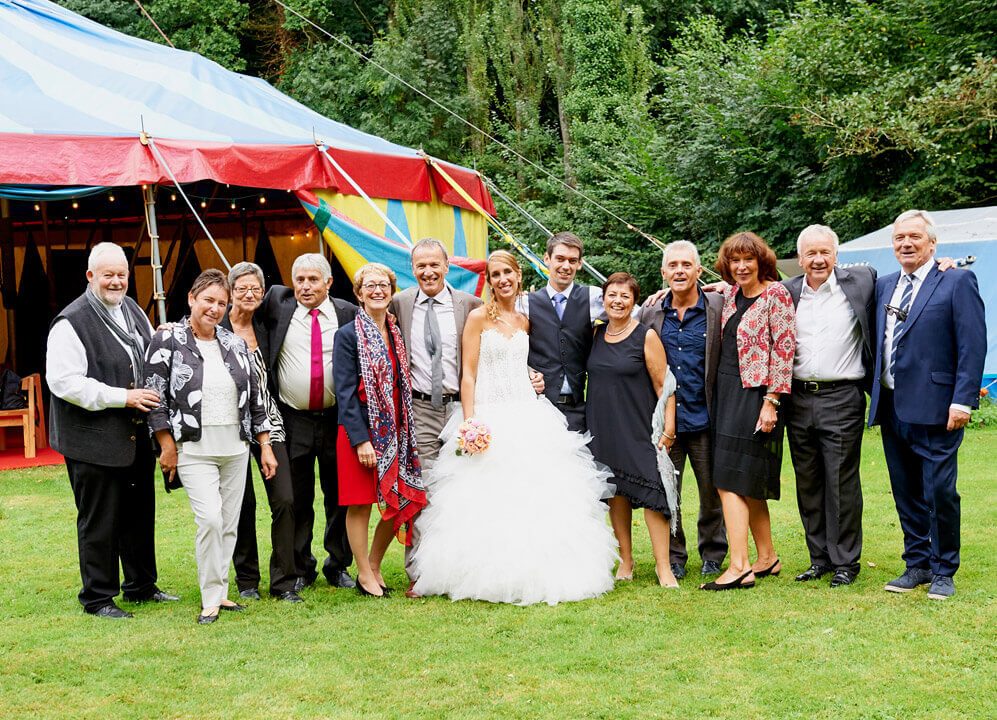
x: 521, y: 523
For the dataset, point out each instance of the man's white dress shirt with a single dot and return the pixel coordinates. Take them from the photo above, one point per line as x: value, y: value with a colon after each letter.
x: 828, y: 335
x: 294, y: 362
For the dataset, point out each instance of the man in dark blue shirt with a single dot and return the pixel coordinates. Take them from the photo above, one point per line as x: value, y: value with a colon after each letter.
x: 688, y: 321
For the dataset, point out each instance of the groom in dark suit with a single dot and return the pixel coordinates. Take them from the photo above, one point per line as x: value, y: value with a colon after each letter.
x: 299, y: 325
x: 930, y: 348
x: 825, y: 413
x: 561, y: 317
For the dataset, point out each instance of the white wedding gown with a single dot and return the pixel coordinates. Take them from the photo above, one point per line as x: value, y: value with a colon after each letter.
x: 522, y: 522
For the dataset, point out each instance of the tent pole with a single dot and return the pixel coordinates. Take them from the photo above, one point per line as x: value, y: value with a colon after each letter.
x: 149, y: 194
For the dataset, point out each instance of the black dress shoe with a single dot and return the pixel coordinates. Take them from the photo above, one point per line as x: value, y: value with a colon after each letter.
x: 678, y: 570
x: 710, y: 567
x: 843, y: 577
x: 249, y: 594
x: 234, y: 607
x: 112, y: 612
x: 340, y: 579
x: 158, y: 596
x: 736, y: 584
x: 206, y: 619
x: 288, y: 596
x: 814, y: 572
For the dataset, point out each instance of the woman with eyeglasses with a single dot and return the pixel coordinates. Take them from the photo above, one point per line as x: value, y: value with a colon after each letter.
x: 246, y: 281
x: 375, y: 451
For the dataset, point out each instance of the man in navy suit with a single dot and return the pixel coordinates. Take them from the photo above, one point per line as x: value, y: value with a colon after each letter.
x: 930, y: 348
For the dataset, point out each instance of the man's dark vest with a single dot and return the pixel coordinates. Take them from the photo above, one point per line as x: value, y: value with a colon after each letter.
x: 561, y: 347
x: 103, y: 437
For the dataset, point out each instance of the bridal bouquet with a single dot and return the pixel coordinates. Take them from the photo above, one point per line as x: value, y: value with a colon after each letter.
x: 473, y: 437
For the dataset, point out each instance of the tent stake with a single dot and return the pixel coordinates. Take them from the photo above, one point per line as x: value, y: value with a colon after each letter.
x: 157, y: 268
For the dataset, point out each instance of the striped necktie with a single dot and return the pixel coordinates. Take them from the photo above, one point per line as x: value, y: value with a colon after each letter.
x: 901, y: 323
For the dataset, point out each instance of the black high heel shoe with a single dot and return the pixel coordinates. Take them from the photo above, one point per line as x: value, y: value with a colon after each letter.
x: 737, y: 584
x: 770, y: 570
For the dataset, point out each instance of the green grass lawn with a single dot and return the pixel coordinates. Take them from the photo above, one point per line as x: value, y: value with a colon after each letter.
x: 782, y: 650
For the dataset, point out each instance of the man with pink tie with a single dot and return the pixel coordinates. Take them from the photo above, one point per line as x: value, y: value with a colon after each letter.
x: 299, y: 328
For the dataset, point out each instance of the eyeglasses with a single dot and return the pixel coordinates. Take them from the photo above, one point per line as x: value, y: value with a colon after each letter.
x: 899, y: 313
x: 243, y: 291
x: 371, y: 287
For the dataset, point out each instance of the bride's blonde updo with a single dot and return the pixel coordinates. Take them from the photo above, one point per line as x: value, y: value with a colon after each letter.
x: 505, y: 258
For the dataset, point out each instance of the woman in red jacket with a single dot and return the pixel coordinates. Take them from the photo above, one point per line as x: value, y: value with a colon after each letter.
x: 756, y: 368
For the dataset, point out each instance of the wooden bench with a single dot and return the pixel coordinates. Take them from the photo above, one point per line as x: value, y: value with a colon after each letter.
x: 31, y: 419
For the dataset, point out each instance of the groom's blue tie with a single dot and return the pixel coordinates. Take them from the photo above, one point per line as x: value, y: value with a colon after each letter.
x: 559, y: 301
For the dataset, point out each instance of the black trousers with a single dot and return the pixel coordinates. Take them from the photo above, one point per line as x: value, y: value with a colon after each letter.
x: 311, y: 438
x: 115, y: 523
x: 574, y: 413
x: 697, y: 447
x: 825, y: 441
x: 280, y: 496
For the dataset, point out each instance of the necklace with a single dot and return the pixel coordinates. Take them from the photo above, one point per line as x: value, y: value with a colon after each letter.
x: 620, y: 332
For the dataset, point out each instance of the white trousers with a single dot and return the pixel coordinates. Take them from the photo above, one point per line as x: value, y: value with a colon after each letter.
x: 215, y: 486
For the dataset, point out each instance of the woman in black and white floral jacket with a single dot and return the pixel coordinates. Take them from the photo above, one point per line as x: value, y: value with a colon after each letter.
x: 209, y: 409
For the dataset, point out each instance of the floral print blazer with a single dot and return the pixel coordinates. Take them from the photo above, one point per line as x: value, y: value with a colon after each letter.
x: 766, y: 338
x: 175, y: 369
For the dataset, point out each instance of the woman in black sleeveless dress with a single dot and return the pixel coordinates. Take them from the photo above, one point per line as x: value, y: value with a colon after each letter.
x: 627, y: 370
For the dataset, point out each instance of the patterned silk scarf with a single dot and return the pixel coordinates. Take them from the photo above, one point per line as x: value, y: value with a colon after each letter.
x: 400, y: 495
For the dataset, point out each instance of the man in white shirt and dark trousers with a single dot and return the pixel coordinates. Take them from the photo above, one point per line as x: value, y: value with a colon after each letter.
x: 95, y: 356
x: 431, y: 319
x: 300, y: 325
x: 832, y: 370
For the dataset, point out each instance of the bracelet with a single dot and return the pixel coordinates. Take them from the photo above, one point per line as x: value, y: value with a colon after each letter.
x: 670, y: 437
x: 774, y: 401
x: 265, y: 443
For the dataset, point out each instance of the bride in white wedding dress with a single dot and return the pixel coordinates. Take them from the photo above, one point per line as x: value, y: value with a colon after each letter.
x: 522, y: 522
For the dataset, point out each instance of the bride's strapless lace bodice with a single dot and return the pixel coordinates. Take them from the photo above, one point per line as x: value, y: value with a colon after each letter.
x: 503, y: 374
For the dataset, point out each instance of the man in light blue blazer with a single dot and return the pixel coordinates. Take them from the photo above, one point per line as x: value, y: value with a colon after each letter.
x: 930, y: 348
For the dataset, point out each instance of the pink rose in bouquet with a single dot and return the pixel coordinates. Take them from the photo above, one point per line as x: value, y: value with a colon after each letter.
x: 473, y: 437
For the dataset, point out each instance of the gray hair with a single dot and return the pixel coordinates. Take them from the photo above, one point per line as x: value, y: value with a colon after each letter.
x: 679, y: 245
x: 822, y: 230
x: 245, y: 268
x: 431, y: 243
x: 312, y: 261
x: 102, y: 252
x: 923, y: 216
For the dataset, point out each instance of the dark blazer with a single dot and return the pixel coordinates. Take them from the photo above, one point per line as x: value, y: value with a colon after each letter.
x: 941, y: 351
x: 275, y: 314
x: 858, y: 283
x: 351, y: 395
x: 654, y: 315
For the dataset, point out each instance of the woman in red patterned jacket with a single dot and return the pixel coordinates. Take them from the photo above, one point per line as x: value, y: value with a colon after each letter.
x: 756, y: 368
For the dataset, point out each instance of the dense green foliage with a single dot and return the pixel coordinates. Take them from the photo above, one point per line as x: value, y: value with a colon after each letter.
x: 688, y: 118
